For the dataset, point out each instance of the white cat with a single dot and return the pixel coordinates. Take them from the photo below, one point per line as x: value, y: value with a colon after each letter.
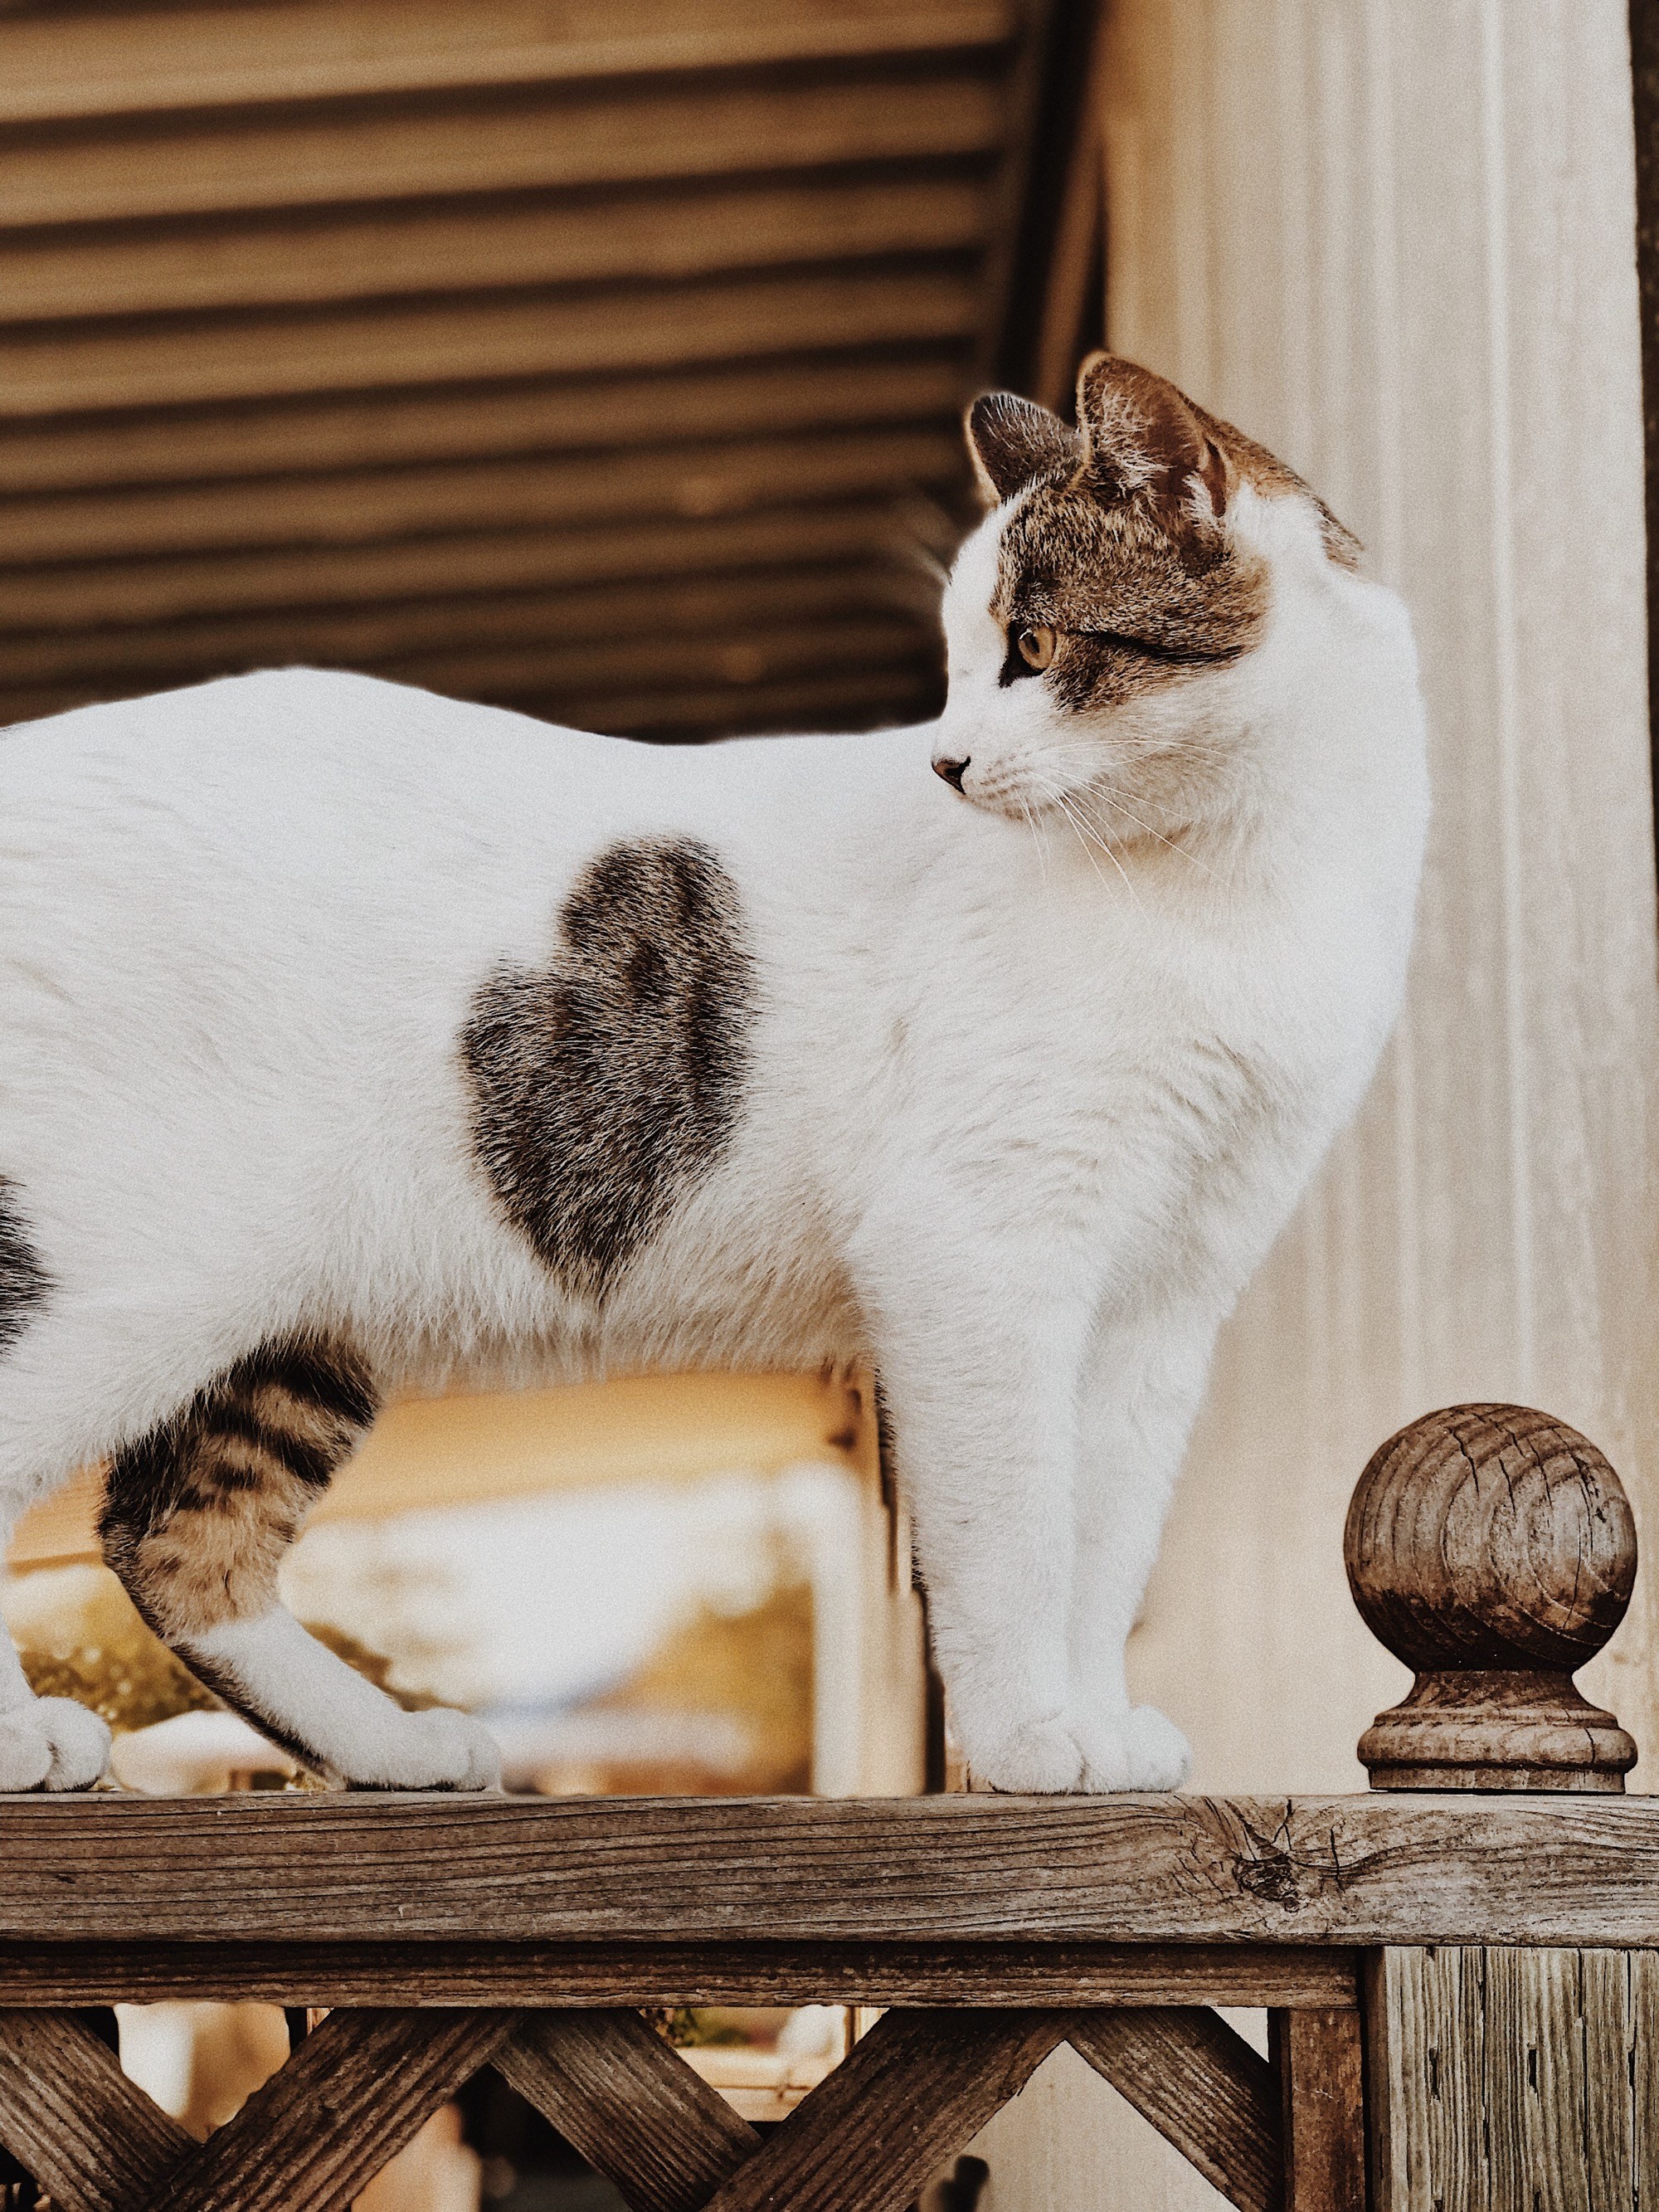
x: 350, y: 1036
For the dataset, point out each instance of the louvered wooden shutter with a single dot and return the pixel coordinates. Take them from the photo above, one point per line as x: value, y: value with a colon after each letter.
x: 600, y: 359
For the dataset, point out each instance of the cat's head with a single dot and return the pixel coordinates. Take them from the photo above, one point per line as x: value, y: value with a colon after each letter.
x: 1103, y: 619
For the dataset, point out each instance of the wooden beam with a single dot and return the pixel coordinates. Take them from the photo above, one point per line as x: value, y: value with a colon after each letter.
x: 631, y: 2105
x: 671, y: 235
x: 85, y: 597
x: 1317, y: 2057
x: 1203, y: 2087
x: 709, y: 613
x: 917, y: 2088
x: 51, y: 369
x: 1360, y: 1870
x: 312, y: 157
x: 459, y: 1973
x: 91, y: 2137
x: 356, y: 2090
x: 538, y: 490
x: 60, y: 71
x: 323, y: 433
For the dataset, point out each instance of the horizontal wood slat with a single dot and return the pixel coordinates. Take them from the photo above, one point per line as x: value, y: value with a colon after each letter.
x: 674, y: 235
x: 540, y: 490
x: 454, y: 1972
x: 917, y: 2088
x: 96, y: 596
x: 1203, y: 2087
x: 68, y: 2114
x: 1347, y: 1870
x: 631, y: 2106
x: 603, y: 628
x: 48, y: 369
x: 81, y: 67
x: 277, y: 285
x: 314, y: 435
x: 312, y: 157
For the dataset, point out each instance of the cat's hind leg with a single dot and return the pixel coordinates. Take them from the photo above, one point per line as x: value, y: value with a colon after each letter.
x: 198, y: 1515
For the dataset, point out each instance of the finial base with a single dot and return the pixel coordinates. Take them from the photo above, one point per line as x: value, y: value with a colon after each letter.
x: 1494, y: 1729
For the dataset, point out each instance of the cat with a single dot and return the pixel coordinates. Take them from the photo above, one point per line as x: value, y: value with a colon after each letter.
x: 351, y: 1037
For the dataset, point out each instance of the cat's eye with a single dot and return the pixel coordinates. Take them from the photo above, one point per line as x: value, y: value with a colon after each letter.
x: 1036, y: 646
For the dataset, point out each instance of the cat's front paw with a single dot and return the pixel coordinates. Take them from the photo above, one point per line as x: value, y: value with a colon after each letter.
x: 1136, y: 1750
x: 1037, y: 1759
x: 439, y: 1749
x: 51, y: 1743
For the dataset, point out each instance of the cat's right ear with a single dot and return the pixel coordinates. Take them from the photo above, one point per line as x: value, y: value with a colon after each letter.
x: 1014, y: 441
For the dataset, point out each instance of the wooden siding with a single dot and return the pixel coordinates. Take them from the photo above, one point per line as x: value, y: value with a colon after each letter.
x: 602, y: 360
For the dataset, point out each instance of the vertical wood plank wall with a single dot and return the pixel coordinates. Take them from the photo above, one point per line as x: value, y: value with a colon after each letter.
x: 1396, y: 240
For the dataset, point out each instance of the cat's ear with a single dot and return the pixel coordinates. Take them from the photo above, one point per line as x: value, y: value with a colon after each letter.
x: 1140, y: 434
x: 1014, y: 441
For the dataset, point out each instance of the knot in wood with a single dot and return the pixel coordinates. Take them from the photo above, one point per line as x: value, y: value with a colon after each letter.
x: 1492, y: 1549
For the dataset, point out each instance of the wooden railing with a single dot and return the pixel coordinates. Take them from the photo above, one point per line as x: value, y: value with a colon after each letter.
x: 1461, y: 1989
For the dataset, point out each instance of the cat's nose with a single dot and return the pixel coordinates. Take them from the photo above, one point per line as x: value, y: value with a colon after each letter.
x: 952, y: 771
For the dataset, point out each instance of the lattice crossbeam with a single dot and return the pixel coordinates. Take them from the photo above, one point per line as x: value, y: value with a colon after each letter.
x: 913, y: 2091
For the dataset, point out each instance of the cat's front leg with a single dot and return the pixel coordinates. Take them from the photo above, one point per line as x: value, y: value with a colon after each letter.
x: 1141, y: 1389
x: 980, y: 1372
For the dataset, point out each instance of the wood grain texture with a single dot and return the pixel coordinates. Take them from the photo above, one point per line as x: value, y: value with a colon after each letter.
x: 599, y: 624
x: 1492, y: 1549
x: 912, y: 2092
x: 1506, y: 2077
x: 309, y: 156
x: 300, y: 1973
x: 671, y: 235
x: 1319, y: 2060
x: 194, y: 587
x: 76, y: 70
x: 631, y: 2106
x: 91, y: 2138
x: 1203, y: 2087
x: 322, y: 432
x: 1158, y: 1869
x: 356, y: 2090
x: 51, y: 369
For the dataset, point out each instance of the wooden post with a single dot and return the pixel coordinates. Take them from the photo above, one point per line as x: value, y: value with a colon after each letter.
x: 1492, y: 1549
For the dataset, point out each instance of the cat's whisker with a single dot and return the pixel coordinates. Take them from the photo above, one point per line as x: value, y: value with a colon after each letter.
x: 1112, y: 799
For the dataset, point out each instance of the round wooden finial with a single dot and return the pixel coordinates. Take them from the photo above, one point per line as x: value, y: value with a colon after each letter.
x: 1492, y: 1549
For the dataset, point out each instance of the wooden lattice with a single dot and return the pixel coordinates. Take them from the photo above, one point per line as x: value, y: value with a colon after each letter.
x: 869, y: 2139
x: 448, y: 1935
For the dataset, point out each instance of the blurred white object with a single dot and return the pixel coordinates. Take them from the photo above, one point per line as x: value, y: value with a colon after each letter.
x: 193, y: 1753
x: 816, y: 2031
x: 435, y: 2173
x: 201, y: 2062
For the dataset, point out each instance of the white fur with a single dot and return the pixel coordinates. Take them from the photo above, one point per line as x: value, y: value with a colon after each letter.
x: 1029, y: 1099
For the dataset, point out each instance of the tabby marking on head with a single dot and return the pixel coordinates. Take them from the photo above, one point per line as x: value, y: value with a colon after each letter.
x: 607, y: 1083
x: 199, y: 1513
x: 24, y: 1281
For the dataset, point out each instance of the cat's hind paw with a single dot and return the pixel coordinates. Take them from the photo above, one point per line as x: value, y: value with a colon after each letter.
x: 1136, y: 1750
x: 51, y: 1743
x: 439, y: 1749
x: 1038, y: 1759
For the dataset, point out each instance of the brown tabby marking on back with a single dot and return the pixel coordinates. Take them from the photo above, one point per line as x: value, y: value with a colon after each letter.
x: 199, y: 1514
x: 1119, y: 545
x: 608, y: 1082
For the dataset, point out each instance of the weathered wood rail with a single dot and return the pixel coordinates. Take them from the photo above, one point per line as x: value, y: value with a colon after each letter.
x: 1462, y: 1988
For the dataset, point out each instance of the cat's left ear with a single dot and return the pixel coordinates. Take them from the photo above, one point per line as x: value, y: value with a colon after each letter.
x: 1141, y: 434
x: 1014, y: 441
